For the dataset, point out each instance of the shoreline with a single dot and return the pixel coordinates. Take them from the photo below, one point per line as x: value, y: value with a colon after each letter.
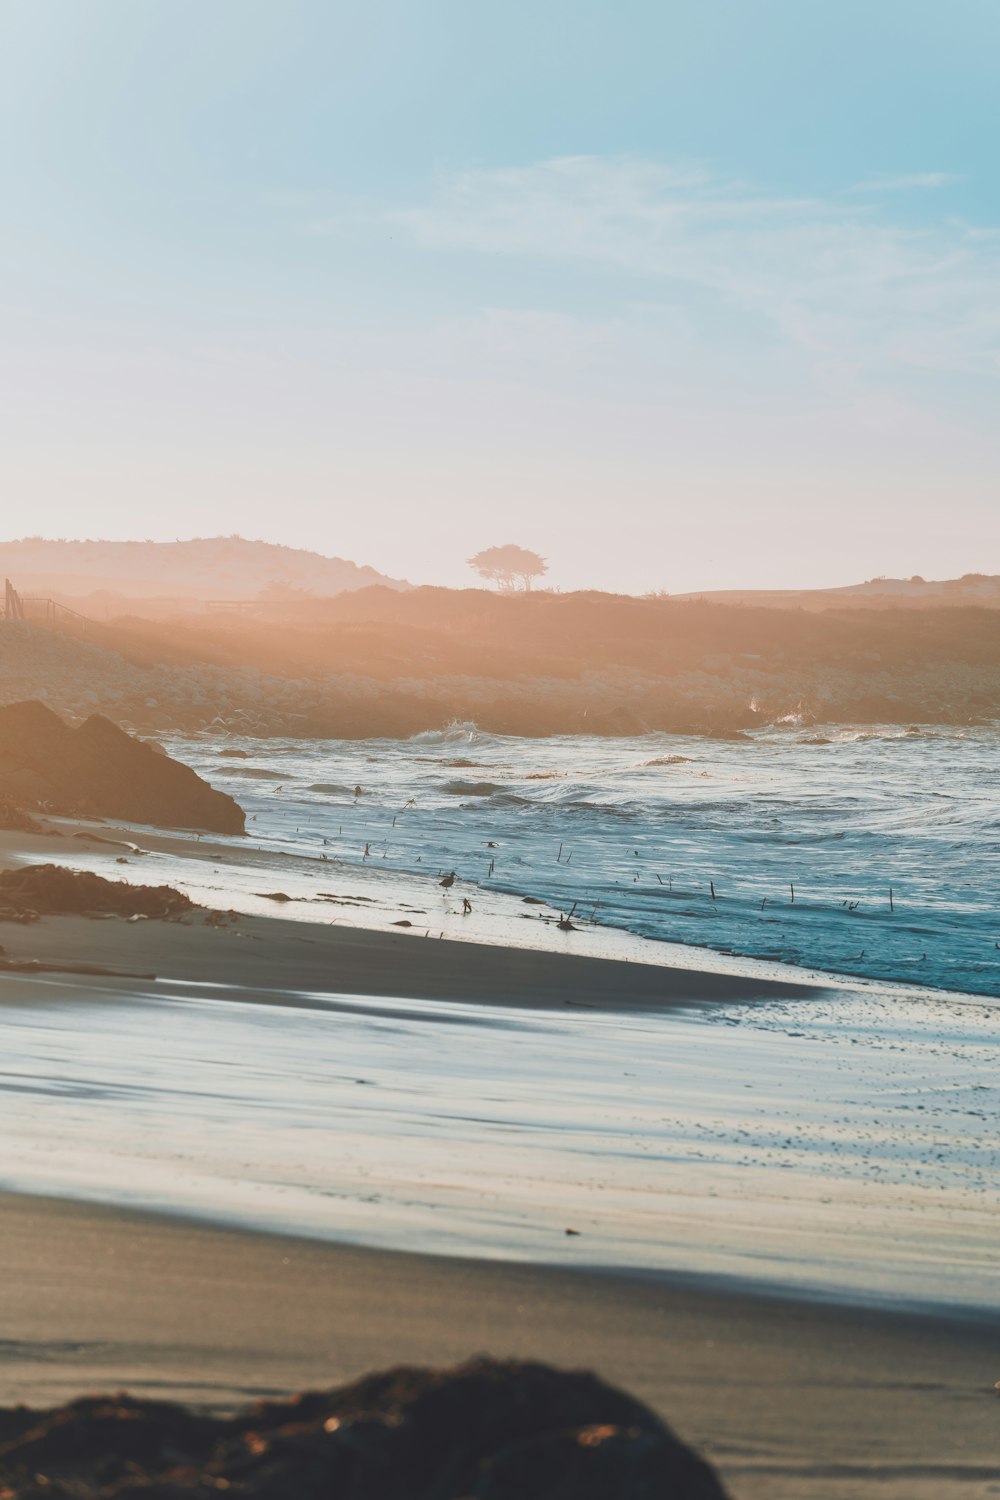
x: 790, y: 1399
x: 710, y: 973
x: 504, y: 961
x: 360, y: 961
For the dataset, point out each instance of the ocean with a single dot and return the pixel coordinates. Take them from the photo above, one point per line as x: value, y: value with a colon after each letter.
x: 873, y: 852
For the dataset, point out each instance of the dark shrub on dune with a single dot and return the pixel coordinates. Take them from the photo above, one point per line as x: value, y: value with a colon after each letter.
x: 484, y: 1431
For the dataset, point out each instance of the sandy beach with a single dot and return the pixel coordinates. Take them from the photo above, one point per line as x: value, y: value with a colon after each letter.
x: 791, y: 1400
x: 265, y: 954
x: 792, y: 1396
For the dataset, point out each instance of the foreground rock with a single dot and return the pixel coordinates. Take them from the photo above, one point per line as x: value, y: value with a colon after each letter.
x: 499, y: 1431
x: 98, y: 769
x: 49, y: 890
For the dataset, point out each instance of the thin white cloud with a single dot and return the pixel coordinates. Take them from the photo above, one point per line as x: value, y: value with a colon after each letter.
x: 849, y: 284
x: 906, y: 182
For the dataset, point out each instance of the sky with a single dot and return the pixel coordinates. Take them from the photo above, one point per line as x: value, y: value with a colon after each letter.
x: 682, y: 294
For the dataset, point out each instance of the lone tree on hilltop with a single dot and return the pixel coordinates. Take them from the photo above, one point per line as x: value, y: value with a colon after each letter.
x: 509, y: 567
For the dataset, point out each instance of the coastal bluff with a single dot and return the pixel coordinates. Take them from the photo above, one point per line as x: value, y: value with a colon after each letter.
x: 383, y: 663
x: 97, y: 769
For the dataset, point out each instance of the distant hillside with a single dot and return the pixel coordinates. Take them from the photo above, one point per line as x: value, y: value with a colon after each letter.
x: 877, y: 593
x: 387, y: 662
x: 205, y: 568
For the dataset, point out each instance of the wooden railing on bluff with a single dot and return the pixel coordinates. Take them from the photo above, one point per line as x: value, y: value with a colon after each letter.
x: 37, y: 611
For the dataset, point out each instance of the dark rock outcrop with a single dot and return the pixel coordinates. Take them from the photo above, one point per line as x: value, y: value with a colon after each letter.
x: 484, y: 1431
x: 13, y: 817
x: 98, y: 769
x: 50, y: 890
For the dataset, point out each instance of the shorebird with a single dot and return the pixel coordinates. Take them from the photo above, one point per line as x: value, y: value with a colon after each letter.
x: 448, y: 881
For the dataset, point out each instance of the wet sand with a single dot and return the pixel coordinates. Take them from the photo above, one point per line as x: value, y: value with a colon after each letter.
x: 791, y: 1400
x: 348, y: 943
x: 261, y: 953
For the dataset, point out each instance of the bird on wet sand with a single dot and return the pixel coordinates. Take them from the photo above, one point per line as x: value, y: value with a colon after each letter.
x: 448, y: 881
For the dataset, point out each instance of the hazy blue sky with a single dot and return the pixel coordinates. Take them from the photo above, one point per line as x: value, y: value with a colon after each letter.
x: 689, y: 293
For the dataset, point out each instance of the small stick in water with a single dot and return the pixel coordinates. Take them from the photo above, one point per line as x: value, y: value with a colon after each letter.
x: 763, y: 903
x: 892, y: 905
x: 658, y: 878
x: 792, y: 889
x: 559, y: 855
x: 711, y: 886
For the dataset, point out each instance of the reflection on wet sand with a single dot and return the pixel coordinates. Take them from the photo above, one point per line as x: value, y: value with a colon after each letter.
x: 841, y: 1144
